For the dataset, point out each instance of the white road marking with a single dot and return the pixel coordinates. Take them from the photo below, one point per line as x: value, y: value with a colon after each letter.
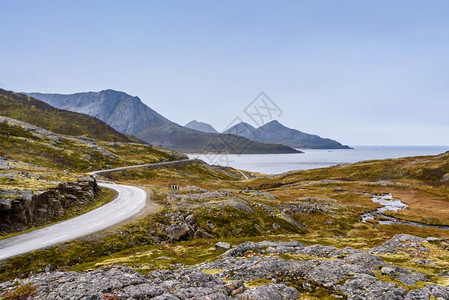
x: 95, y: 225
x: 134, y: 207
x: 48, y: 242
x: 120, y: 214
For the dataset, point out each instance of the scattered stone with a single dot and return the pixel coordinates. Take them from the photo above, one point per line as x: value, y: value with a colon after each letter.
x: 190, y: 219
x: 425, y: 262
x: 4, y: 165
x: 445, y: 178
x: 434, y: 239
x: 388, y: 271
x: 235, y: 287
x: 203, y: 234
x: 222, y: 246
x: 210, y: 225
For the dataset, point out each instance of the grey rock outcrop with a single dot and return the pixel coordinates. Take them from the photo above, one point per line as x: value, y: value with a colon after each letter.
x: 184, y: 226
x: 21, y: 209
x: 401, y: 242
x: 344, y: 273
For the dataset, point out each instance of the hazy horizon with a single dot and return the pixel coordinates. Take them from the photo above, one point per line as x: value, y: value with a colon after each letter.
x: 362, y: 73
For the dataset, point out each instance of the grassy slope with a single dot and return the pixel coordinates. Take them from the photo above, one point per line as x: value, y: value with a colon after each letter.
x: 30, y: 110
x: 17, y: 143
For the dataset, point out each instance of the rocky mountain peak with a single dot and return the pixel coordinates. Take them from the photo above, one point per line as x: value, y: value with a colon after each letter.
x: 201, y: 126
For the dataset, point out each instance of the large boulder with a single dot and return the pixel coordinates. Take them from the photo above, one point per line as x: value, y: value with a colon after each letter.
x: 178, y: 231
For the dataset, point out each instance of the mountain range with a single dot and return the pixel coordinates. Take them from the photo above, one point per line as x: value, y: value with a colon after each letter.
x: 275, y: 132
x: 128, y: 114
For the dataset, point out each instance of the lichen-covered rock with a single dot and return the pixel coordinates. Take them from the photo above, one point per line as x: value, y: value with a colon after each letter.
x: 202, y: 234
x: 222, y: 246
x: 317, y: 250
x: 347, y: 273
x: 268, y: 246
x: 363, y: 286
x: 388, y: 271
x: 429, y: 291
x: 178, y: 231
x: 409, y: 276
x: 401, y: 243
x: 270, y: 292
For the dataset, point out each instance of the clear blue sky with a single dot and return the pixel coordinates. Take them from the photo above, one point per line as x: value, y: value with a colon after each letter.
x: 362, y: 72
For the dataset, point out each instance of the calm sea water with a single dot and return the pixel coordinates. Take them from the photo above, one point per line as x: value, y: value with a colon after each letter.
x: 279, y: 163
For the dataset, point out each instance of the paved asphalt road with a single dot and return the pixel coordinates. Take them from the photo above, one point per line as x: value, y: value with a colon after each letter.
x: 130, y: 201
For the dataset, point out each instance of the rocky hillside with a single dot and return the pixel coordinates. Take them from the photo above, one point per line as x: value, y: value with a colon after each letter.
x: 30, y: 110
x: 253, y: 271
x: 130, y: 115
x: 275, y: 132
x: 31, y: 144
x: 201, y: 126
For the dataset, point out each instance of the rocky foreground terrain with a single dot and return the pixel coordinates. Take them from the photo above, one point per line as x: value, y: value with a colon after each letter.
x: 263, y: 270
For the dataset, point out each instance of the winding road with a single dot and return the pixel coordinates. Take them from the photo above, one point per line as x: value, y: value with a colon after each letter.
x: 130, y: 200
